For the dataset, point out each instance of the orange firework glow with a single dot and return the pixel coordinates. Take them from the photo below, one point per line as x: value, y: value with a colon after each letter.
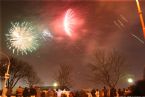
x: 141, y: 17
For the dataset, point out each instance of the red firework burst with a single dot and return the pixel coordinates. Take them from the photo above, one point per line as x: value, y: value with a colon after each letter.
x: 69, y: 22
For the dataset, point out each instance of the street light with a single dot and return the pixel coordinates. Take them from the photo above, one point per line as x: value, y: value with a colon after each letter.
x: 6, y: 75
x: 130, y: 80
x: 55, y: 84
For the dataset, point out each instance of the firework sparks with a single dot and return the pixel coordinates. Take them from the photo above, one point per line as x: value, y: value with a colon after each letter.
x: 116, y: 23
x: 123, y: 18
x: 120, y: 22
x: 140, y: 40
x: 69, y: 21
x: 21, y: 38
x: 46, y: 34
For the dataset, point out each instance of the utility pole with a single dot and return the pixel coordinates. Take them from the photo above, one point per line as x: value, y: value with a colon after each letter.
x: 6, y: 76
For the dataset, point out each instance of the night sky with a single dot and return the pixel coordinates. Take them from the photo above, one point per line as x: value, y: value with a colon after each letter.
x: 97, y: 29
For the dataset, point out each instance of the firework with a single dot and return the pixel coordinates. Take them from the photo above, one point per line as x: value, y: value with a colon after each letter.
x: 140, y: 40
x: 141, y: 17
x: 121, y: 22
x: 123, y: 18
x: 116, y: 23
x: 46, y: 34
x: 69, y: 21
x: 22, y: 38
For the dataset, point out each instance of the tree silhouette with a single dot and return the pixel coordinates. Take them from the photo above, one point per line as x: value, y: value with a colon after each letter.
x: 107, y: 68
x: 32, y: 78
x: 19, y: 70
x: 64, y: 75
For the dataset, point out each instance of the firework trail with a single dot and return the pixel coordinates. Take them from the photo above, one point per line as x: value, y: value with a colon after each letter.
x: 22, y: 38
x: 141, y: 17
x: 123, y: 18
x: 140, y: 40
x: 117, y: 25
x: 120, y: 22
x: 69, y: 22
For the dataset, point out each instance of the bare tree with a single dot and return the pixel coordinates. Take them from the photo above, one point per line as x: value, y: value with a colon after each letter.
x: 18, y: 71
x: 107, y: 68
x: 3, y: 63
x: 64, y: 75
x: 32, y: 78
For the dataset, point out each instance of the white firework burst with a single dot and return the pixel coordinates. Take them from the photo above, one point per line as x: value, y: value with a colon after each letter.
x: 46, y: 34
x: 69, y: 21
x: 22, y: 38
